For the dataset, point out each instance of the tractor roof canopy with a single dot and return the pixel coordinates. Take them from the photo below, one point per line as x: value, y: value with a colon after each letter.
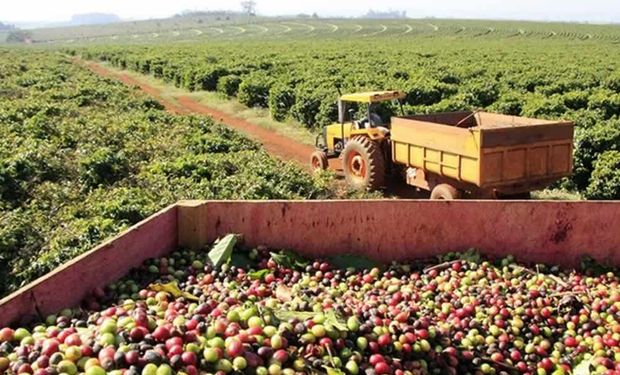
x: 373, y: 96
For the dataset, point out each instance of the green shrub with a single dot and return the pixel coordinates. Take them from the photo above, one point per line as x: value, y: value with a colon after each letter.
x: 542, y: 107
x: 254, y: 90
x: 189, y: 79
x: 426, y: 91
x: 328, y: 112
x: 480, y: 93
x: 307, y: 106
x: 607, y: 101
x: 208, y: 78
x: 612, y: 82
x: 589, y: 144
x: 576, y: 99
x: 103, y: 167
x: 229, y: 85
x: 508, y: 104
x: 281, y: 99
x: 605, y: 180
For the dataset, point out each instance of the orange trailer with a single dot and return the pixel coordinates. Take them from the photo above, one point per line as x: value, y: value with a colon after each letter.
x: 483, y: 154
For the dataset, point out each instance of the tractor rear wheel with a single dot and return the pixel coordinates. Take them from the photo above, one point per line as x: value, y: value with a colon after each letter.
x: 318, y: 161
x: 445, y: 192
x: 364, y: 164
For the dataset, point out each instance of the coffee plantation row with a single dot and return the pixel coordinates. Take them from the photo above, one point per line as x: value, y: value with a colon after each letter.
x: 574, y: 80
x: 84, y: 157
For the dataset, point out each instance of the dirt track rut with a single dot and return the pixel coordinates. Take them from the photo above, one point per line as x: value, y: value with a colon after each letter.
x: 276, y: 144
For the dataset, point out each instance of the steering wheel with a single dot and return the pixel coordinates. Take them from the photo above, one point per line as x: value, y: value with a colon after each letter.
x: 375, y: 120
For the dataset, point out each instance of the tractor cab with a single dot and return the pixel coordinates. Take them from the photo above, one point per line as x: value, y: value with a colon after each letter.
x: 359, y: 114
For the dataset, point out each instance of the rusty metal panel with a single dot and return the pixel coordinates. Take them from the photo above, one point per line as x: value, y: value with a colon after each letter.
x: 447, y: 118
x: 552, y: 232
x: 491, y: 164
x: 522, y: 135
x: 436, y: 137
x: 560, y: 164
x: 515, y: 162
x: 537, y: 161
x: 525, y: 164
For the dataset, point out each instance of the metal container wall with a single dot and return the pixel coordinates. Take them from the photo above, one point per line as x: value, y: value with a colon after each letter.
x: 492, y: 151
x: 550, y: 232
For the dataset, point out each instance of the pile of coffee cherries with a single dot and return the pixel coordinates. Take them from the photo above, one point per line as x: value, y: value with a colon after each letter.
x: 461, y: 314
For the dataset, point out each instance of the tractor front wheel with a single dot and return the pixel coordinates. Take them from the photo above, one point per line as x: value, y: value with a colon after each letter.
x: 364, y: 164
x: 318, y: 161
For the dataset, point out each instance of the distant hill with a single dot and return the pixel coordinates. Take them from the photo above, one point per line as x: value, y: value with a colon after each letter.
x: 86, y: 19
x: 93, y: 19
x: 6, y: 27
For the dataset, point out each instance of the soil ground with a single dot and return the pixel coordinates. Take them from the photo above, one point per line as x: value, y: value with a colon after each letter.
x: 276, y: 144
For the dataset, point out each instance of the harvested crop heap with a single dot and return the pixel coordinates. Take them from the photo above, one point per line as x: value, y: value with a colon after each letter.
x: 275, y: 313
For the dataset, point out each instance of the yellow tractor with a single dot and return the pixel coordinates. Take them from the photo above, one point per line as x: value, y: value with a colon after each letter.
x: 451, y: 154
x: 358, y: 141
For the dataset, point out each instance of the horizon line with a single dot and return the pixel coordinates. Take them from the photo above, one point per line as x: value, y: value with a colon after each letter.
x: 51, y: 24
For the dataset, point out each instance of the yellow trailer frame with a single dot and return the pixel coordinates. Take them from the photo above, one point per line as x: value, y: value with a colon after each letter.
x: 483, y: 153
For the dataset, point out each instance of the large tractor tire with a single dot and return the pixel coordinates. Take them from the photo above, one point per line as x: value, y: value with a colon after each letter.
x: 318, y: 161
x: 445, y: 192
x: 364, y: 164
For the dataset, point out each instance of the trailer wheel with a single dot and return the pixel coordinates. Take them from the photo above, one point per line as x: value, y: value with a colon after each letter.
x: 446, y: 192
x: 318, y: 161
x: 364, y: 164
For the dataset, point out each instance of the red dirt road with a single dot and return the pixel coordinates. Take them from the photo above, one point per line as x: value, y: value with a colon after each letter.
x: 276, y: 144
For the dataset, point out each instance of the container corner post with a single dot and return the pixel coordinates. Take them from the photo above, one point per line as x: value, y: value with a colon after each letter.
x: 192, y: 229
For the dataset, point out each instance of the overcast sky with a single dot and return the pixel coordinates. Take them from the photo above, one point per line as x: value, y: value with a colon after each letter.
x: 563, y: 10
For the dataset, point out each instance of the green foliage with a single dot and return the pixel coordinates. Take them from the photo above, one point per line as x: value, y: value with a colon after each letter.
x: 549, y: 71
x: 480, y: 93
x: 229, y: 85
x: 576, y: 100
x: 307, y: 107
x: 544, y: 107
x: 426, y: 91
x: 18, y: 36
x: 208, y: 79
x: 84, y: 157
x: 254, y: 90
x: 103, y: 167
x: 281, y: 99
x: 509, y: 104
x: 612, y: 82
x: 607, y: 101
x: 605, y: 180
x: 590, y: 144
x: 222, y: 250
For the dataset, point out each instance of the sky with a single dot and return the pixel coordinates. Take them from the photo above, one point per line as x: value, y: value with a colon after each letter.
x: 556, y: 10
